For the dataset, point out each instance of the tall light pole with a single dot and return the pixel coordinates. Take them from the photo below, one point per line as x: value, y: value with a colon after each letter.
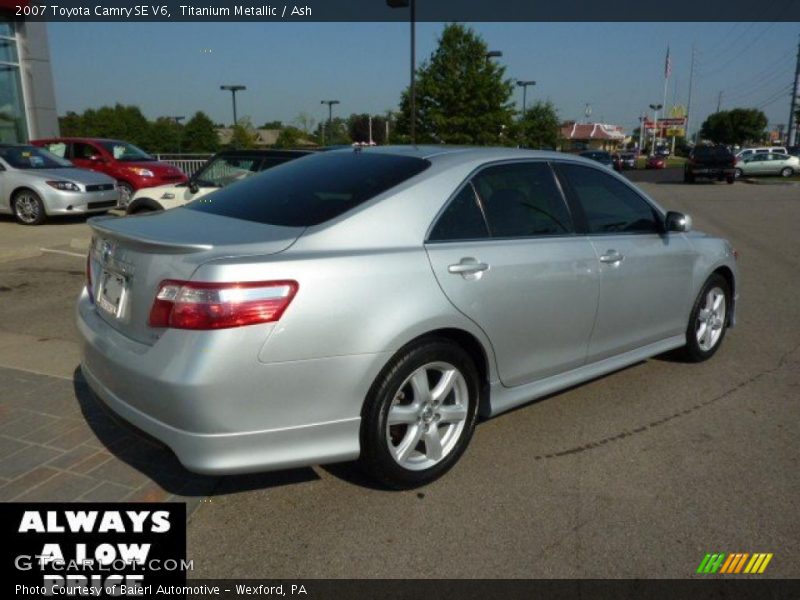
x: 178, y: 120
x: 233, y: 89
x: 524, y: 85
x: 493, y: 54
x: 656, y: 108
x: 330, y: 104
x: 412, y: 87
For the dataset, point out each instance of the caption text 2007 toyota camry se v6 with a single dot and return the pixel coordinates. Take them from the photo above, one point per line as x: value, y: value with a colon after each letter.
x: 371, y: 304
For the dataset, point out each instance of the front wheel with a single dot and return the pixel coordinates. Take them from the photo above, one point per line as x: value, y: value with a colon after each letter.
x: 125, y: 193
x: 29, y: 208
x: 420, y: 414
x: 787, y: 172
x: 709, y: 320
x: 688, y: 178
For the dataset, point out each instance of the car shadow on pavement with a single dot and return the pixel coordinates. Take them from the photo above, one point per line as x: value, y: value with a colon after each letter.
x: 157, y: 464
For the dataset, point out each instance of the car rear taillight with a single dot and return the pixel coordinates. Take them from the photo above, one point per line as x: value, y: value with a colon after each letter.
x: 89, y: 275
x: 198, y: 305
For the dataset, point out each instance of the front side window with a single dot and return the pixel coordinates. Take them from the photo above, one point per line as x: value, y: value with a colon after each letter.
x: 610, y: 206
x: 126, y: 152
x: 522, y: 200
x: 57, y: 148
x: 84, y: 151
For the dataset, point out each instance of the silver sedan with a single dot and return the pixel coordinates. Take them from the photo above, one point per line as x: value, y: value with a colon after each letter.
x: 35, y: 184
x: 372, y: 304
x: 771, y: 163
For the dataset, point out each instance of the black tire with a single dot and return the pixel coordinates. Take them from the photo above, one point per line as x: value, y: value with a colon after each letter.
x: 28, y: 208
x: 688, y: 178
x: 787, y: 172
x: 730, y: 179
x: 377, y: 459
x: 140, y: 210
x: 693, y: 352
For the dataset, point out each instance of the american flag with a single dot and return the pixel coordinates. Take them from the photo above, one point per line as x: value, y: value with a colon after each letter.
x: 667, y: 65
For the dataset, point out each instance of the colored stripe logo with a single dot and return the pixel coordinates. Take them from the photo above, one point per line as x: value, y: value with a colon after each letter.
x: 735, y: 563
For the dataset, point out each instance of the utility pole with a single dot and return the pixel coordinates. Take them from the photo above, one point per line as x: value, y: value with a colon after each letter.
x: 793, y: 105
x: 642, y: 120
x: 689, y: 101
x: 719, y: 101
x: 330, y: 104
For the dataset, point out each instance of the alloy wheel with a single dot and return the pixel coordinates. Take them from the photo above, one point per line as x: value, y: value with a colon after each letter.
x: 27, y: 207
x: 427, y: 416
x: 711, y: 319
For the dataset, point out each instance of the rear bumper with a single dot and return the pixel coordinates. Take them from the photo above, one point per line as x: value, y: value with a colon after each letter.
x: 713, y: 172
x: 227, y: 414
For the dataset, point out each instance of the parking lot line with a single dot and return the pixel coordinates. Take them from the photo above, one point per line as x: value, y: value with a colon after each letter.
x: 64, y: 252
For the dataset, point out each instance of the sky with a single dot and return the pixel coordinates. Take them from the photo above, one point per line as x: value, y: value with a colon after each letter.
x: 288, y: 68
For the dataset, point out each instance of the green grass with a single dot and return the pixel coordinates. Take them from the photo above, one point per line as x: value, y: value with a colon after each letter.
x: 672, y: 162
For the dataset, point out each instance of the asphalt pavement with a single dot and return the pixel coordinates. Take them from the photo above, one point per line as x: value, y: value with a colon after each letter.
x: 637, y: 474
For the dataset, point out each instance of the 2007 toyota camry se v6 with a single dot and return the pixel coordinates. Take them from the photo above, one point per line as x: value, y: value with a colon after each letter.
x: 371, y: 304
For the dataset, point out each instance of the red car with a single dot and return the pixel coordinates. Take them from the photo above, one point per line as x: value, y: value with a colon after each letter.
x: 656, y: 162
x: 132, y: 167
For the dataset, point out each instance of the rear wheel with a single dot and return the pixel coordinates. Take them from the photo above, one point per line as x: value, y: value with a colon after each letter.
x: 420, y: 414
x: 688, y: 177
x: 730, y: 179
x: 709, y: 320
x: 29, y: 208
x: 787, y: 172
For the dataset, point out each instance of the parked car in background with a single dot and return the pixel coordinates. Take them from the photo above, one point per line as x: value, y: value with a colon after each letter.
x: 656, y: 162
x: 35, y: 184
x: 601, y: 156
x: 746, y: 152
x: 624, y: 160
x: 221, y: 170
x: 768, y: 164
x: 662, y: 150
x: 366, y: 304
x: 710, y: 162
x: 130, y: 166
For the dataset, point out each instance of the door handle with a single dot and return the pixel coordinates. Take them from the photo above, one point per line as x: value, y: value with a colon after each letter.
x: 468, y: 266
x: 612, y: 257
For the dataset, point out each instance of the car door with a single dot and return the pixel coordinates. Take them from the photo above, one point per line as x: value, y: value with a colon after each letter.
x: 758, y: 164
x: 776, y: 163
x: 645, y: 273
x: 506, y: 254
x: 88, y: 156
x: 5, y: 201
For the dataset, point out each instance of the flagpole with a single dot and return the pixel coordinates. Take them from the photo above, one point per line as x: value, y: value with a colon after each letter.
x: 667, y: 72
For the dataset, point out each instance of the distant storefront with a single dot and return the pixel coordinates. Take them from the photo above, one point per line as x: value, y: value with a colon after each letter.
x: 27, y: 97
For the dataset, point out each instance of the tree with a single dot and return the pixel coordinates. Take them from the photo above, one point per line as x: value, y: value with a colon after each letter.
x: 539, y: 126
x: 334, y: 133
x: 199, y: 135
x: 305, y: 122
x: 289, y: 137
x: 462, y: 97
x: 737, y: 126
x: 244, y: 134
x: 71, y: 125
x: 272, y: 125
x: 358, y: 126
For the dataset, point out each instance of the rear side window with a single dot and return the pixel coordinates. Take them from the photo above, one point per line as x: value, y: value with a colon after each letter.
x: 522, y: 200
x: 461, y: 220
x: 311, y: 190
x: 610, y: 206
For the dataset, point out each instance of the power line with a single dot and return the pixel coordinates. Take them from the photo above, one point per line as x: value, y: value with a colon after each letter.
x: 740, y: 53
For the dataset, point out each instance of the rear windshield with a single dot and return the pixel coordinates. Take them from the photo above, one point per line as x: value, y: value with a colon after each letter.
x: 711, y: 152
x: 311, y: 190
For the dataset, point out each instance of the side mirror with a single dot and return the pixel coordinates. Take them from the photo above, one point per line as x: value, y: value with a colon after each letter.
x: 675, y: 221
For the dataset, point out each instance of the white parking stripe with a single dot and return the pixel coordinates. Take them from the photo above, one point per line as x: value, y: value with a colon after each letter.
x: 65, y: 252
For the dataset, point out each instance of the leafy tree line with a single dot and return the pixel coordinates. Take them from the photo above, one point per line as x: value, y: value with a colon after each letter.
x: 129, y: 124
x: 738, y: 126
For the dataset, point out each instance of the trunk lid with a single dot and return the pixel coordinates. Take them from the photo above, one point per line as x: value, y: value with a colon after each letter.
x: 131, y: 256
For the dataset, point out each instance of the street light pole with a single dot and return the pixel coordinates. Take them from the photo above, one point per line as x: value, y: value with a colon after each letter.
x: 524, y: 85
x: 413, y: 86
x: 233, y: 89
x: 656, y: 108
x: 330, y: 104
x: 178, y: 120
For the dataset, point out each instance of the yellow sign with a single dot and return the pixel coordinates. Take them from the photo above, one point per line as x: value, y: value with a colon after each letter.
x: 677, y: 111
x: 675, y: 132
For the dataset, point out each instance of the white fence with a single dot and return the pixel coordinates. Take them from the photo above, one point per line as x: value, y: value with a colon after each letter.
x: 188, y: 163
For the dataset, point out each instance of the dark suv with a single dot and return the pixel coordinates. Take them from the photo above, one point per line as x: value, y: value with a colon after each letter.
x: 710, y: 162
